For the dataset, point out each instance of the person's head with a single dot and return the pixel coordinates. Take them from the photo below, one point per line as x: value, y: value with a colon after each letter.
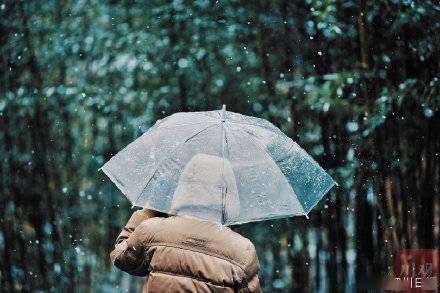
x: 205, y: 182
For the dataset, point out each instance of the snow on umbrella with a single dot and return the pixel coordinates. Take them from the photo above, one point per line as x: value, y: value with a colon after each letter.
x: 219, y: 166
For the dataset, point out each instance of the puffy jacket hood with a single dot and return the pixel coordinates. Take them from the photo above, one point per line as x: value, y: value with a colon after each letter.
x: 207, y: 190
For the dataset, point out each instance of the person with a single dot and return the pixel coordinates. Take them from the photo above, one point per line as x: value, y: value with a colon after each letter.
x: 189, y: 252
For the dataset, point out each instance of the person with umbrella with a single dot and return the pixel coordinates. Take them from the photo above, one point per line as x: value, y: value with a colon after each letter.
x: 185, y: 254
x: 195, y: 174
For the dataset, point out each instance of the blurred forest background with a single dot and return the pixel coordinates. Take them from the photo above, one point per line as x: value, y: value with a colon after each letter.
x: 354, y: 82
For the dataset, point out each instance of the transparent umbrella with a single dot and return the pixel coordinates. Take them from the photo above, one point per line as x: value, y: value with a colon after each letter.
x: 219, y: 166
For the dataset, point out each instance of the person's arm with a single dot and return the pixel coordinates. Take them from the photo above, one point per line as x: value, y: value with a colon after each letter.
x: 128, y: 254
x: 251, y: 283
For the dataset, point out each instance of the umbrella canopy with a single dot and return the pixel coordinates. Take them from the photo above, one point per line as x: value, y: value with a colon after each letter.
x: 219, y: 166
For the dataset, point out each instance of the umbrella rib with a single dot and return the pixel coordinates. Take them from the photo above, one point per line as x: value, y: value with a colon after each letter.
x: 183, y: 124
x: 204, y: 114
x: 258, y: 144
x: 161, y: 126
x: 172, y: 153
x: 274, y: 128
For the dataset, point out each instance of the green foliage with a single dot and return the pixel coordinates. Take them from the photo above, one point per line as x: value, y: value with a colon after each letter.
x: 354, y: 82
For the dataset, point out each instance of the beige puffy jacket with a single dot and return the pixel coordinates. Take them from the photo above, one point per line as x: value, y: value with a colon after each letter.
x: 180, y: 254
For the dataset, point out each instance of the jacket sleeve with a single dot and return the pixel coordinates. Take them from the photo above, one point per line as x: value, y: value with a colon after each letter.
x: 251, y: 283
x: 129, y: 254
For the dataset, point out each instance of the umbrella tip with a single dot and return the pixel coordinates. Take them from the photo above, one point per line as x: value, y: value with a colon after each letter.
x: 223, y: 112
x: 307, y: 217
